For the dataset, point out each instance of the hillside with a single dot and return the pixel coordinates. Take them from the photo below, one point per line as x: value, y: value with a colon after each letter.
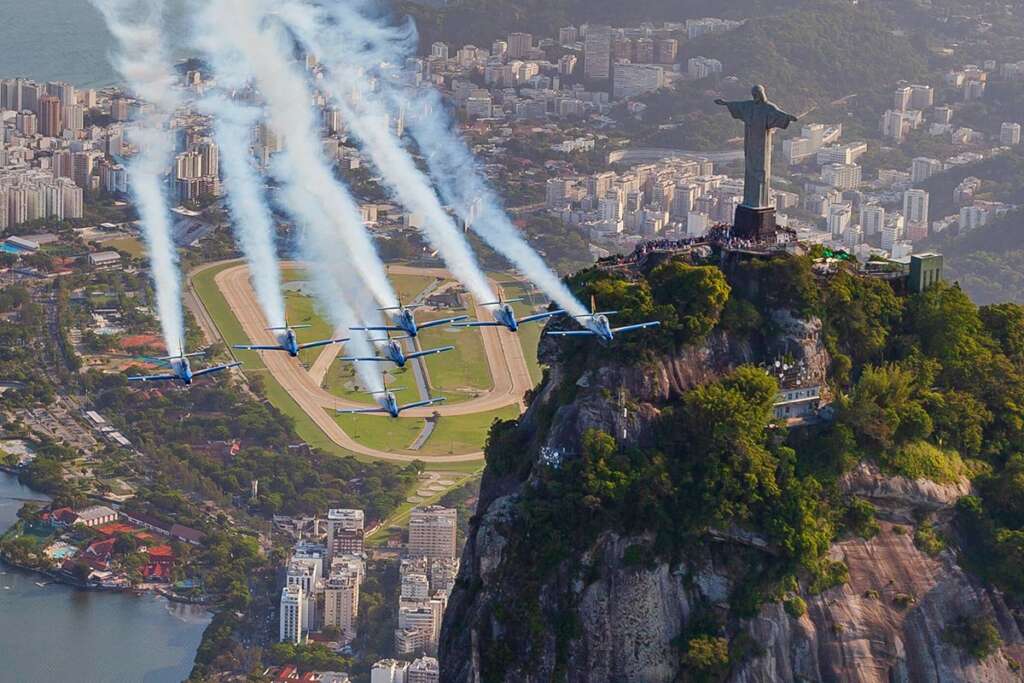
x: 479, y: 22
x: 820, y: 51
x: 650, y: 519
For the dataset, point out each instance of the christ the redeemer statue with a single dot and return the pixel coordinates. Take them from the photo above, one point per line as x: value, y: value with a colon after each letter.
x: 760, y: 117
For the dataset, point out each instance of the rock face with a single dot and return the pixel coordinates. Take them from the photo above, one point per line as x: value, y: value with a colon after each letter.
x: 886, y: 624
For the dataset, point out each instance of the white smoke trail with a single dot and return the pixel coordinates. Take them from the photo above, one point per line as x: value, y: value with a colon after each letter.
x: 142, y: 62
x: 253, y: 224
x: 241, y: 44
x: 236, y: 35
x: 369, y: 122
x: 355, y: 37
x: 454, y: 169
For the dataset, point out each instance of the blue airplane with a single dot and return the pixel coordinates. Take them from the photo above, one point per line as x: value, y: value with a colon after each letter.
x: 598, y: 326
x: 389, y: 404
x: 289, y: 342
x: 505, y: 316
x: 394, y: 353
x: 181, y: 369
x: 405, y: 321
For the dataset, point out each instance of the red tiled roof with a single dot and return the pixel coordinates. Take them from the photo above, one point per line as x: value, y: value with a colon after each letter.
x: 161, y: 551
x: 101, y: 548
x: 114, y: 528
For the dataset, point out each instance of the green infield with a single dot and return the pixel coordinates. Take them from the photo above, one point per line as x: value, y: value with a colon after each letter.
x: 450, y: 436
x: 382, y: 433
x: 461, y: 374
x: 464, y: 433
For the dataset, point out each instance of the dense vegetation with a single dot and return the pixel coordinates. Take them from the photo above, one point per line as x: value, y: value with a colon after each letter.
x: 189, y: 435
x: 925, y: 386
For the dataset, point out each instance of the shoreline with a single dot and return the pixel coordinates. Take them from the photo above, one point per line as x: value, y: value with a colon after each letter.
x: 63, y: 579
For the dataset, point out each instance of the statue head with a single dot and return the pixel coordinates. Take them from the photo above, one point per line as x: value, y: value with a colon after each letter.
x: 758, y: 92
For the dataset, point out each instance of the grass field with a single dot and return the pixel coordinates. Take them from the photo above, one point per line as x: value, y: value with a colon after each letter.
x: 451, y: 436
x: 465, y: 433
x: 461, y: 374
x: 130, y: 245
x: 382, y: 433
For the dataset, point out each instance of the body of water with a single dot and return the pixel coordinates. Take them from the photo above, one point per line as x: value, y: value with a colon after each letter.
x: 63, y: 40
x: 56, y: 633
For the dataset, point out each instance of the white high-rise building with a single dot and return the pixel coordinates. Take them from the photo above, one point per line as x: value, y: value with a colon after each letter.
x: 921, y: 96
x: 305, y: 572
x: 439, y: 50
x: 842, y: 176
x: 915, y: 211
x: 1009, y: 134
x: 839, y: 216
x: 292, y: 608
x: 341, y: 603
x: 343, y: 526
x: 923, y: 168
x: 389, y: 671
x: 972, y: 217
x: 902, y: 98
x: 872, y: 219
x: 519, y: 45
x: 630, y: 80
x: 702, y: 67
x: 892, y: 232
x: 423, y: 670
x: 432, y: 532
x: 597, y: 52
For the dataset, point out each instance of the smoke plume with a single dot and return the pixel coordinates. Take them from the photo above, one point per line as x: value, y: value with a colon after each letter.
x: 253, y: 224
x: 142, y: 62
x: 243, y: 42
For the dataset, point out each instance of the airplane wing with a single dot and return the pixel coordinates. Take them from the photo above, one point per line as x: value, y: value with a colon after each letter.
x: 420, y: 404
x: 215, y: 368
x: 257, y: 347
x: 540, y: 316
x: 436, y: 323
x: 595, y: 313
x: 478, y: 323
x: 569, y: 333
x: 381, y: 328
x: 153, y: 378
x: 353, y: 411
x: 629, y: 328
x: 322, y: 342
x: 420, y: 354
x: 356, y: 359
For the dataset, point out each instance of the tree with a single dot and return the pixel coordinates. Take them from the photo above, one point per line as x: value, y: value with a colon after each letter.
x: 698, y: 294
x: 717, y: 441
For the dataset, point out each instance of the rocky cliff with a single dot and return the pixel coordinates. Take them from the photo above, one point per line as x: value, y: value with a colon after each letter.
x: 620, y: 619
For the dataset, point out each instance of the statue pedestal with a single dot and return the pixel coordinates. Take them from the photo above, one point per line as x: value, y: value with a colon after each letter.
x: 754, y: 224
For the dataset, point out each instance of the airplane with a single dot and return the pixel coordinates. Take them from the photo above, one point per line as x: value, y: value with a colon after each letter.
x: 597, y: 325
x: 505, y: 316
x: 405, y: 321
x: 394, y: 353
x: 289, y: 342
x: 389, y: 404
x: 181, y: 369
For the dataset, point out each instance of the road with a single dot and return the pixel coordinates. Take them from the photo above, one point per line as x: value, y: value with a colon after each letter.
x: 505, y: 357
x: 644, y: 154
